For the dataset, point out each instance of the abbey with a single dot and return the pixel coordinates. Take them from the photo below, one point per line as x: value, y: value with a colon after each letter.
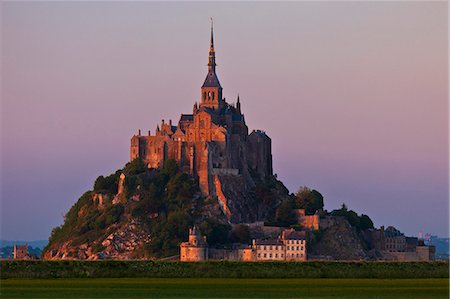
x: 212, y: 143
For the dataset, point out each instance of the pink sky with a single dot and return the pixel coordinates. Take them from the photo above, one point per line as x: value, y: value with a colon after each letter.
x: 353, y: 95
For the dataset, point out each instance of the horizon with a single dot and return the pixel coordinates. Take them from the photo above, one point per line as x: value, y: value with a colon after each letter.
x: 353, y: 96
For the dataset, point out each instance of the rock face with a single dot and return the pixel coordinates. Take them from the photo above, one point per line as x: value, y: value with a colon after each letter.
x: 213, y: 144
x: 339, y: 240
x: 124, y: 242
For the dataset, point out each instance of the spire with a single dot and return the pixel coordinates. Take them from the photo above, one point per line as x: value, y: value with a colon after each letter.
x: 211, y: 45
x: 212, y: 53
x: 238, y: 105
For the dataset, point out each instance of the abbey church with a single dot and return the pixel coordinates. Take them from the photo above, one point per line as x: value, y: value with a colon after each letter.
x: 213, y: 143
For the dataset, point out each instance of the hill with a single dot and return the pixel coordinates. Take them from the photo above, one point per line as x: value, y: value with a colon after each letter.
x: 139, y: 212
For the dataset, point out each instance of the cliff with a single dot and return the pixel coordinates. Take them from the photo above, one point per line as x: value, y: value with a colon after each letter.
x: 338, y: 240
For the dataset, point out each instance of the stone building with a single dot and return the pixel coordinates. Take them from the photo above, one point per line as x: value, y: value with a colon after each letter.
x: 307, y: 221
x: 196, y: 249
x: 212, y: 143
x: 394, y: 245
x: 290, y: 246
x: 21, y: 252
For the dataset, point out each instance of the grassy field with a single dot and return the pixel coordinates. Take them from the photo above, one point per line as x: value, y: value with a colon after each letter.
x: 220, y: 269
x: 224, y: 288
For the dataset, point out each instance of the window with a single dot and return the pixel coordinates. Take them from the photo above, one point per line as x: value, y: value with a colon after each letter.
x: 265, y: 254
x: 288, y: 248
x: 297, y: 254
x: 301, y: 248
x: 276, y: 254
x: 259, y: 254
x: 270, y: 247
x: 213, y: 95
x: 297, y: 241
x: 297, y: 247
x: 270, y: 255
x: 204, y: 95
x: 282, y: 255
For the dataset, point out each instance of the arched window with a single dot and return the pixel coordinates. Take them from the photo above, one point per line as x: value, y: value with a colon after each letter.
x: 209, y: 95
x: 204, y: 95
x: 213, y: 95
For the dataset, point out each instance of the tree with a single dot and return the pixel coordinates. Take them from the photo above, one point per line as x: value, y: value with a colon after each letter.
x: 215, y: 232
x: 134, y: 167
x: 240, y: 234
x: 362, y: 222
x: 285, y: 213
x: 310, y: 200
x: 365, y: 222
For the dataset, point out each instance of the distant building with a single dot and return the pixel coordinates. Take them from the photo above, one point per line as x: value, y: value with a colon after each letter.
x: 394, y: 245
x: 291, y: 246
x: 196, y: 249
x: 21, y: 252
x: 395, y: 241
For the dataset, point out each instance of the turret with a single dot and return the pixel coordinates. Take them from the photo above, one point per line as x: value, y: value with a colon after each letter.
x: 238, y: 105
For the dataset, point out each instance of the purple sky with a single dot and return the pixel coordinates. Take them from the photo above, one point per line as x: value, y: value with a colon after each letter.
x: 353, y: 95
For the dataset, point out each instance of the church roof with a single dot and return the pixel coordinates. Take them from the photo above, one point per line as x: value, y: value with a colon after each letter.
x: 211, y: 80
x: 186, y: 117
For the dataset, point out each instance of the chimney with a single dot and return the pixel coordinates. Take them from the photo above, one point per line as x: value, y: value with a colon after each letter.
x: 148, y: 132
x: 170, y: 122
x: 139, y: 132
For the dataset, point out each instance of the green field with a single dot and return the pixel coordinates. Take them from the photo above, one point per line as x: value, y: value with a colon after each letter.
x: 224, y: 288
x: 220, y: 269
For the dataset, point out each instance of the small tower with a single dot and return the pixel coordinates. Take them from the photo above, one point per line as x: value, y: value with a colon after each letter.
x: 196, y: 249
x: 211, y: 96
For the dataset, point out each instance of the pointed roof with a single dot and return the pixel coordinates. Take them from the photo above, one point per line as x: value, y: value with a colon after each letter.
x: 211, y: 78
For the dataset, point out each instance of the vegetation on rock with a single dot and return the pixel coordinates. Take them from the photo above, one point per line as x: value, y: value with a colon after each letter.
x: 165, y: 202
x: 360, y: 222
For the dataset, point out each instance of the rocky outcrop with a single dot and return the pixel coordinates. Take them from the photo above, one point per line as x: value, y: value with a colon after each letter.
x: 123, y: 242
x: 338, y: 240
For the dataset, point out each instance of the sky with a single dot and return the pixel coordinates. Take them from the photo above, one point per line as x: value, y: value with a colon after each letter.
x: 353, y: 94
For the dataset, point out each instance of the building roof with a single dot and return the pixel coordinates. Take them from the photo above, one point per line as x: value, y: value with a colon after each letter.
x: 269, y: 242
x: 186, y: 117
x: 391, y: 231
x: 211, y: 80
x: 294, y: 235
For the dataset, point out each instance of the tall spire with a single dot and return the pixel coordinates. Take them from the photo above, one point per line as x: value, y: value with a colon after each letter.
x: 211, y: 45
x: 212, y: 53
